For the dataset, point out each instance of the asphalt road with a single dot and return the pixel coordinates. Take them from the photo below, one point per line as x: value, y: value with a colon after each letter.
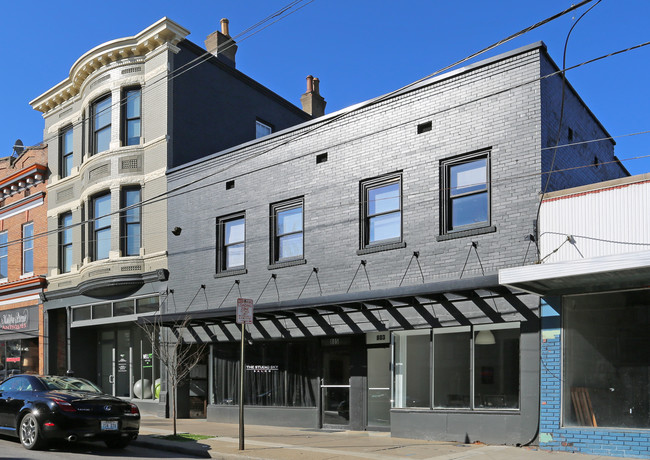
x: 11, y: 449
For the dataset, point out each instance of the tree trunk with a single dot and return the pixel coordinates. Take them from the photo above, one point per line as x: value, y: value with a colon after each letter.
x: 174, y: 411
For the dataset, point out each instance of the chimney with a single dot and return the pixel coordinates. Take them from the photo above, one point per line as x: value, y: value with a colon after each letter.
x: 222, y: 45
x: 312, y: 102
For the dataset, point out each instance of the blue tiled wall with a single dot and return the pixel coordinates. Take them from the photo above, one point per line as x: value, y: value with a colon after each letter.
x: 552, y: 436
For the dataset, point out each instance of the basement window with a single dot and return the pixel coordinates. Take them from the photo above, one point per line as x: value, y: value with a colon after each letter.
x: 425, y: 127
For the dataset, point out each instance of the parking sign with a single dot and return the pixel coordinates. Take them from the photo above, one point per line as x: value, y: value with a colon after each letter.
x: 244, y: 311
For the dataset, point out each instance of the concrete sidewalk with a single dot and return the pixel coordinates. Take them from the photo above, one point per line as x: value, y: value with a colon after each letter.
x: 270, y: 442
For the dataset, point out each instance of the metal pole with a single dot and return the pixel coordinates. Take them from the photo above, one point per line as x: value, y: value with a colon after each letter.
x: 241, y: 389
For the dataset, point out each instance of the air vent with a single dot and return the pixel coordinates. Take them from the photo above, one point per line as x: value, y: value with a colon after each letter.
x: 321, y: 158
x: 100, y: 80
x: 102, y: 171
x: 132, y: 70
x: 64, y: 195
x: 230, y: 184
x: 425, y: 127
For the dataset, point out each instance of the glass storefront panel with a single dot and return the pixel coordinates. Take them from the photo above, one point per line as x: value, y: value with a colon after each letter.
x: 606, y: 380
x: 412, y: 368
x: 451, y: 364
x: 379, y: 386
x: 277, y: 374
x: 496, y: 368
x: 18, y: 357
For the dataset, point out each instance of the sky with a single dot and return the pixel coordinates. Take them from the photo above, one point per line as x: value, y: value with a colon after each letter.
x: 359, y: 49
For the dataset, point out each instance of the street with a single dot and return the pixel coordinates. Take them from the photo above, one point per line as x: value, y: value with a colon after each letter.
x: 11, y: 449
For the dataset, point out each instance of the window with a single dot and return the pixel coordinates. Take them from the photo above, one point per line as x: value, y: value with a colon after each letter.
x: 65, y: 152
x: 101, y: 227
x: 465, y: 193
x: 232, y: 242
x: 101, y: 125
x: 463, y: 367
x: 131, y: 237
x: 131, y: 116
x: 65, y: 243
x: 381, y: 209
x: 287, y: 231
x: 4, y: 255
x: 262, y: 129
x: 606, y: 369
x: 28, y: 248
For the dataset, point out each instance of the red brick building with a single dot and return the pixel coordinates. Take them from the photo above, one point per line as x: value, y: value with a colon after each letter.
x: 23, y: 260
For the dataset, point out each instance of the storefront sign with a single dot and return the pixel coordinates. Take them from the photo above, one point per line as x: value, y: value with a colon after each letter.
x: 122, y: 365
x: 14, y: 320
x: 146, y: 360
x: 262, y: 367
x: 15, y: 359
x: 377, y: 337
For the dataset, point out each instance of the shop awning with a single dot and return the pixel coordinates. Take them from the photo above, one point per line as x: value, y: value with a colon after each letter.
x: 366, y: 301
x: 595, y: 274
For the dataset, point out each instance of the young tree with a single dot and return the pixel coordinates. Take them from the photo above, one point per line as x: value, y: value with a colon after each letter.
x: 174, y: 354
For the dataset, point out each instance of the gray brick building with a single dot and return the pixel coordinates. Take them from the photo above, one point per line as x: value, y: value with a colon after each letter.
x: 369, y: 240
x: 130, y: 109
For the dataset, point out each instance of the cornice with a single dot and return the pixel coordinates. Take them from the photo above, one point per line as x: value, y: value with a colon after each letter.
x: 165, y: 31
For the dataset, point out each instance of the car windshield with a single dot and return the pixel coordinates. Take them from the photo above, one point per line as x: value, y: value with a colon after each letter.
x: 69, y: 383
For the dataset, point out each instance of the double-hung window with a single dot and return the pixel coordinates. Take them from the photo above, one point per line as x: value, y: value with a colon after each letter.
x: 101, y: 124
x: 262, y: 129
x: 465, y: 192
x: 381, y: 211
x: 101, y: 226
x: 28, y: 248
x: 65, y: 242
x: 131, y: 235
x: 65, y: 152
x: 4, y: 255
x: 287, y: 231
x: 131, y: 116
x: 232, y: 243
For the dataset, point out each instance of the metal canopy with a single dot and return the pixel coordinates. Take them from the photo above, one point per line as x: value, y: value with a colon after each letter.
x: 392, y: 298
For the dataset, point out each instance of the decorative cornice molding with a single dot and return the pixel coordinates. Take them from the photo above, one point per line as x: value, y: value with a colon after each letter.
x: 161, y: 33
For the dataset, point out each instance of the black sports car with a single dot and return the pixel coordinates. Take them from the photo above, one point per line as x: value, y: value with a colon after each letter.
x: 38, y: 408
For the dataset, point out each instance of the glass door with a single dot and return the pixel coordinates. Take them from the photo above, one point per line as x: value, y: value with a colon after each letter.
x: 379, y: 387
x: 335, y: 387
x: 106, y: 365
x: 124, y: 355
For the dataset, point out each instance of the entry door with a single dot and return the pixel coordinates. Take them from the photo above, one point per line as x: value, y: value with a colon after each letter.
x: 378, y: 387
x: 335, y: 387
x: 106, y: 365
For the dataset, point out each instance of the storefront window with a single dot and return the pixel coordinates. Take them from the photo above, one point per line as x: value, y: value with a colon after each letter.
x: 439, y: 363
x: 277, y: 374
x: 606, y: 381
x: 18, y: 357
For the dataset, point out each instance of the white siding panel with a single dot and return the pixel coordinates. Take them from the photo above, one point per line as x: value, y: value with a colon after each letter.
x: 603, y: 222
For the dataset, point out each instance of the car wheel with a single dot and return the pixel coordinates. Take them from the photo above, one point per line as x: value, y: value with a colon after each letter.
x: 117, y: 443
x: 30, y: 433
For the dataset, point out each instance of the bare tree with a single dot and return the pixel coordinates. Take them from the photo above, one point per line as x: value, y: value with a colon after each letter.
x: 173, y: 352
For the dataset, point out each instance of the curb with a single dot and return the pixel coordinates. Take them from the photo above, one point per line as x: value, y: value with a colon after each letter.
x: 150, y: 442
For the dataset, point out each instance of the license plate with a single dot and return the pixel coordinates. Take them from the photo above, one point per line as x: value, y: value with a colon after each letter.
x: 109, y: 425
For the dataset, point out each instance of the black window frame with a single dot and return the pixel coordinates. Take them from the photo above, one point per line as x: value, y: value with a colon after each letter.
x: 275, y: 209
x: 446, y: 199
x: 125, y: 215
x: 93, y: 230
x: 93, y: 128
x: 265, y: 124
x: 65, y: 155
x: 64, y: 243
x: 365, y: 218
x: 124, y: 117
x: 222, y: 246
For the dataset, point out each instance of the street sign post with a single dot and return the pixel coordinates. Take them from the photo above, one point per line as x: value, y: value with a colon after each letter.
x: 244, y: 317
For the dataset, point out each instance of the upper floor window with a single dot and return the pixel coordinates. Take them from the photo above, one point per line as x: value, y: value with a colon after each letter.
x: 262, y: 129
x: 28, y: 248
x: 101, y: 124
x: 381, y: 211
x: 4, y: 255
x: 287, y: 230
x: 65, y: 152
x: 131, y: 116
x: 65, y: 242
x: 131, y: 236
x: 232, y: 242
x: 465, y: 192
x: 101, y: 227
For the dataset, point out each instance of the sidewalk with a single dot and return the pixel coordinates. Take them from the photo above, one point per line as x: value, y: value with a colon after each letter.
x: 281, y: 443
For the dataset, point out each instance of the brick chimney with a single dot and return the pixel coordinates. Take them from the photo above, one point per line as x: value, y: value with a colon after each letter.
x: 221, y: 45
x: 312, y: 102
